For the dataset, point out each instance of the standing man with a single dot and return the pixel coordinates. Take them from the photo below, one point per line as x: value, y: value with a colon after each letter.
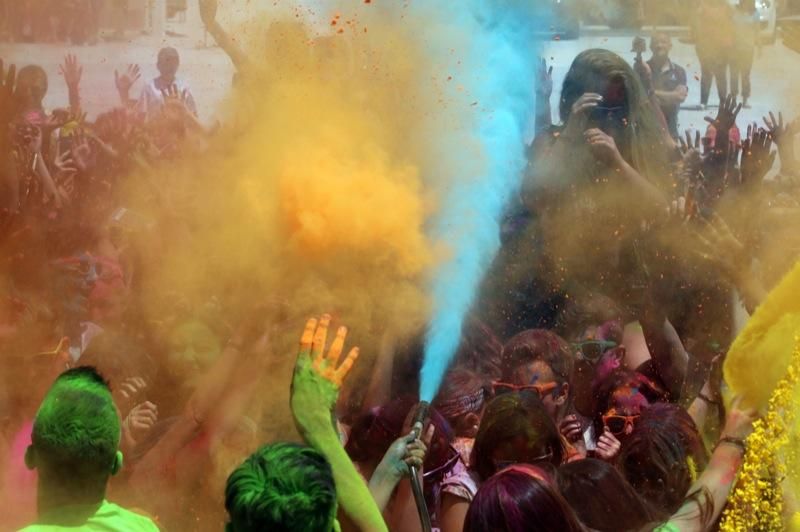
x: 152, y: 99
x: 668, y: 80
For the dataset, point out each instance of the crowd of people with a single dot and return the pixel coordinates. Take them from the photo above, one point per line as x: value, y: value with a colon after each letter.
x: 586, y: 392
x: 59, y: 21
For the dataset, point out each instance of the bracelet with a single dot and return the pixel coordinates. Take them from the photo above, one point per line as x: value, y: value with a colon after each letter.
x: 736, y: 442
x: 703, y: 397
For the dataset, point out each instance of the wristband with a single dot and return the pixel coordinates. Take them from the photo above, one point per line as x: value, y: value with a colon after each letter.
x: 736, y: 442
x: 703, y: 397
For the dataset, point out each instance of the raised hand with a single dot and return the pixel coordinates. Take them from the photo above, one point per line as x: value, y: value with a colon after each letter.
x: 603, y: 146
x: 718, y: 246
x: 126, y: 80
x: 608, y: 446
x: 208, y: 12
x: 138, y: 422
x: 726, y: 115
x: 757, y: 156
x: 65, y: 164
x: 783, y: 135
x: 129, y: 393
x: 571, y: 428
x: 739, y: 423
x: 319, y: 375
x: 578, y: 117
x: 71, y: 70
x: 81, y: 150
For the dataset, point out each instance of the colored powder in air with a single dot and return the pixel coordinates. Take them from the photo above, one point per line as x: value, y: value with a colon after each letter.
x: 486, y: 159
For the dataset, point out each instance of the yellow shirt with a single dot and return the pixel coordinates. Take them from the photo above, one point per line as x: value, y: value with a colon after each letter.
x: 107, y: 517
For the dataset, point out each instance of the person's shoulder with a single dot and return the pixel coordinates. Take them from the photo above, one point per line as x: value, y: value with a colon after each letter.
x: 128, y: 520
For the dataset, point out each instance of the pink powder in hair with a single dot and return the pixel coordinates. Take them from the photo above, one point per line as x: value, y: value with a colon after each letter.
x: 18, y: 488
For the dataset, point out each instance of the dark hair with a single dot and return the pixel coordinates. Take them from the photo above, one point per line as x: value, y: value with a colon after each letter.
x: 538, y: 344
x: 25, y: 77
x: 463, y: 391
x: 511, y: 416
x: 480, y: 349
x: 656, y: 457
x: 76, y: 431
x: 281, y: 487
x: 602, y: 498
x: 373, y: 433
x: 603, y: 392
x: 512, y: 501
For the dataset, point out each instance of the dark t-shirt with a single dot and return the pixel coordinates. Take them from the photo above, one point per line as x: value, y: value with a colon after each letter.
x: 670, y: 77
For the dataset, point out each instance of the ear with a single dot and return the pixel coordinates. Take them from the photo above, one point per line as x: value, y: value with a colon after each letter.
x: 30, y: 457
x: 470, y: 424
x: 116, y: 467
x: 472, y: 420
x: 563, y: 393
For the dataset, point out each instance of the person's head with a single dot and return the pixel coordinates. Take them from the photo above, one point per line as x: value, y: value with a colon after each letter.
x: 282, y: 486
x: 620, y: 399
x: 624, y: 112
x: 193, y: 347
x: 663, y: 456
x: 75, y: 441
x: 518, y: 499
x: 373, y: 432
x: 660, y: 45
x: 31, y: 87
x: 168, y: 62
x: 538, y: 360
x: 515, y: 429
x: 462, y: 399
x: 601, y: 497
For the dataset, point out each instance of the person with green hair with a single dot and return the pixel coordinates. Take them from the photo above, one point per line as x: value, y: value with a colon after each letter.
x: 75, y: 449
x: 282, y: 486
x: 287, y: 486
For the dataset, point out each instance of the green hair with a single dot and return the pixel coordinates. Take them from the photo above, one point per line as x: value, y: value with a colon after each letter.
x: 282, y: 487
x: 77, y: 430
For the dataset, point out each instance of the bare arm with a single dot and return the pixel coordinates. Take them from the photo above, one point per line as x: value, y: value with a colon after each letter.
x: 719, y: 477
x: 208, y: 12
x: 673, y: 97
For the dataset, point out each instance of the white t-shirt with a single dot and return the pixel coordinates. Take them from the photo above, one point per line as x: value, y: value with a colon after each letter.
x: 151, y: 100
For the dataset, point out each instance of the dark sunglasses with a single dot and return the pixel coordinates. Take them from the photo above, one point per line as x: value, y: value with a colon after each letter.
x: 609, y: 114
x: 500, y: 388
x: 592, y: 350
x: 618, y: 424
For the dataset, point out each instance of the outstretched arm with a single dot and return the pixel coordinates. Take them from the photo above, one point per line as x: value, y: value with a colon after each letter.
x: 72, y: 72
x: 719, y: 477
x: 208, y: 12
x: 315, y: 388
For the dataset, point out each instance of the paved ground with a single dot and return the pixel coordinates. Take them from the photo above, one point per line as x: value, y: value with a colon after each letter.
x: 775, y: 77
x: 776, y: 74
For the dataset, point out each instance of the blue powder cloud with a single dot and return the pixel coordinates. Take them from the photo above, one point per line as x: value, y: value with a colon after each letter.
x: 501, y: 63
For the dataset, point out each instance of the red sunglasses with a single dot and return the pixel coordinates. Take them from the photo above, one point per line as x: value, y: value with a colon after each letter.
x: 619, y: 424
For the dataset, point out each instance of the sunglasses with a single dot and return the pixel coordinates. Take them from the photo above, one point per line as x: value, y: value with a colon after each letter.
x: 619, y: 424
x: 609, y: 114
x: 500, y: 388
x: 592, y: 350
